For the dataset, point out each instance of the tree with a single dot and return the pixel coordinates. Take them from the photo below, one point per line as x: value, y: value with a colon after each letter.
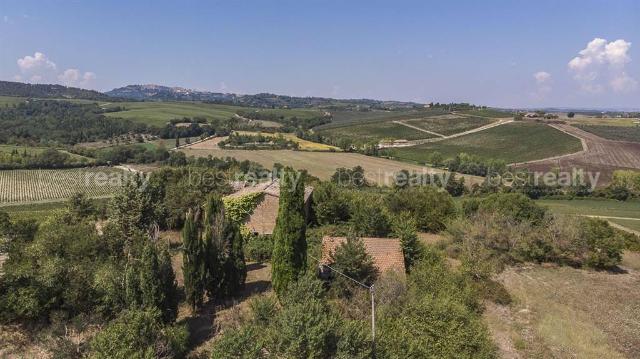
x: 329, y: 204
x: 193, y: 266
x: 157, y: 282
x: 405, y: 228
x: 571, y: 114
x: 429, y: 207
x: 351, y: 258
x: 177, y: 140
x: 290, y: 245
x: 80, y: 206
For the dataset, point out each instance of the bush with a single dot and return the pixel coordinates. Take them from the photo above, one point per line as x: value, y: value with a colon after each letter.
x: 486, y: 242
x: 138, y: 334
x: 305, y: 326
x: 330, y: 204
x: 258, y: 248
x: 351, y: 259
x: 515, y: 205
x: 439, y: 319
x: 368, y: 215
x: 430, y: 208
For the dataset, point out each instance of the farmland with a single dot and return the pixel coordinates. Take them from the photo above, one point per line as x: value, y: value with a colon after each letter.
x: 596, y: 207
x: 615, y: 133
x: 304, y: 144
x: 159, y: 113
x: 602, y: 155
x: 449, y: 124
x: 376, y: 131
x: 320, y: 164
x: 512, y: 142
x: 30, y: 150
x: 51, y: 185
x: 348, y: 118
x: 10, y: 100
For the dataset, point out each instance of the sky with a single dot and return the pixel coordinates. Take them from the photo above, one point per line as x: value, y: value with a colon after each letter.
x: 516, y: 53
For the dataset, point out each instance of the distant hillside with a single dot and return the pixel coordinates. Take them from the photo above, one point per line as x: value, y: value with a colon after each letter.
x: 164, y: 93
x: 19, y: 89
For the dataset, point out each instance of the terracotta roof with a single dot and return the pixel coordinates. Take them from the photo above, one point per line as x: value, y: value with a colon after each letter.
x: 386, y: 252
x: 263, y: 218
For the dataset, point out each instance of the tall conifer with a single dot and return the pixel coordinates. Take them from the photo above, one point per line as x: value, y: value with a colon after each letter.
x: 290, y: 246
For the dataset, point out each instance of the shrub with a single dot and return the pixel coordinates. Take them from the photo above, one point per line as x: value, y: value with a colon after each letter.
x: 430, y: 208
x: 368, y: 215
x: 352, y: 260
x: 305, y: 326
x: 330, y: 205
x: 515, y: 205
x: 138, y: 334
x: 439, y: 319
x: 258, y: 248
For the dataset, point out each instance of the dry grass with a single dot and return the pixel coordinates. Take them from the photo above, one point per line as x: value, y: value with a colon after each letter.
x: 320, y: 164
x: 568, y: 313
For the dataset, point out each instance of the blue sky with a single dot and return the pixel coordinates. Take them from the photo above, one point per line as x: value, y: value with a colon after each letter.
x: 498, y: 53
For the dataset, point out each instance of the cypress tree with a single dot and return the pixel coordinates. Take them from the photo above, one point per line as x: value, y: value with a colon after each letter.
x: 213, y: 218
x: 233, y: 264
x: 290, y: 246
x: 169, y: 305
x: 150, y: 286
x: 193, y: 266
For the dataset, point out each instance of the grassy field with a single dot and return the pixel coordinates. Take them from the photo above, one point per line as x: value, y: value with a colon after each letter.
x: 376, y: 131
x: 10, y: 100
x: 37, y: 150
x: 562, y: 312
x: 616, y: 133
x: 159, y: 113
x: 594, y: 207
x: 449, y: 125
x: 487, y: 112
x: 512, y: 142
x: 39, y: 211
x: 319, y: 164
x: 349, y: 118
x: 304, y: 144
x: 594, y: 121
x: 27, y: 186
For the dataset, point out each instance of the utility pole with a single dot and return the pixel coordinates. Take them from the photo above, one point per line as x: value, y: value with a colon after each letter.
x: 373, y: 320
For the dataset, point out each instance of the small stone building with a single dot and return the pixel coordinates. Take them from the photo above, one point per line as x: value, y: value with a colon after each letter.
x: 263, y: 218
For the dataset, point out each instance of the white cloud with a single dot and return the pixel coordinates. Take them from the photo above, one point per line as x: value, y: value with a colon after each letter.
x: 601, y: 65
x: 542, y: 77
x: 88, y: 76
x: 69, y: 76
x: 543, y: 85
x: 36, y: 62
x: 73, y: 77
x: 39, y: 68
x: 623, y: 83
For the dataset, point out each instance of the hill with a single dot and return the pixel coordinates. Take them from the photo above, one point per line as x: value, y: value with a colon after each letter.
x: 19, y: 89
x: 165, y: 93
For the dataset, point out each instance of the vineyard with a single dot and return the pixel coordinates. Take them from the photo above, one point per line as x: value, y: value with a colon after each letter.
x: 18, y: 186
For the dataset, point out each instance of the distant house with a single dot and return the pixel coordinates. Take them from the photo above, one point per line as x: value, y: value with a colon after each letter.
x: 531, y: 115
x: 263, y: 218
x: 386, y: 253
